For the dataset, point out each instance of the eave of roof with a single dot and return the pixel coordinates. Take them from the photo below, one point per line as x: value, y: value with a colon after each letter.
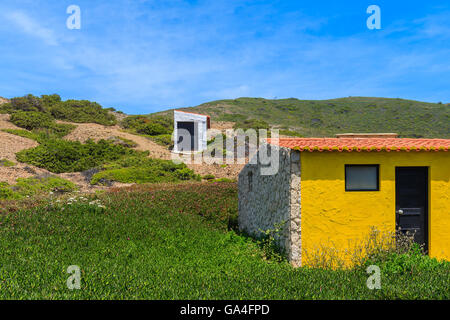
x: 362, y: 144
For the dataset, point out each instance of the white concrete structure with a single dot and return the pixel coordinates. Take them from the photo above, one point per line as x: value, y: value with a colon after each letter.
x: 190, y: 131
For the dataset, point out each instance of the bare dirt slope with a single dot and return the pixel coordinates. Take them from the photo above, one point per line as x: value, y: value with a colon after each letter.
x: 11, y: 144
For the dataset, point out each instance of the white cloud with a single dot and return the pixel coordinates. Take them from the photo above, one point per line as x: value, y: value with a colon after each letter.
x: 32, y: 27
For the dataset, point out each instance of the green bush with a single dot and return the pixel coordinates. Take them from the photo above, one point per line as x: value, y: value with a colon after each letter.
x: 58, y: 130
x: 291, y: 133
x: 152, y: 126
x: 6, y: 163
x: 27, y: 103
x: 49, y: 101
x: 152, y: 129
x: 34, y: 186
x: 43, y: 134
x: 140, y: 169
x: 72, y: 156
x: 5, y: 108
x: 228, y: 180
x: 413, y: 261
x: 133, y: 175
x: 23, y: 133
x: 132, y: 122
x: 42, y: 124
x: 32, y: 120
x: 164, y: 140
x: 6, y: 192
x: 252, y: 124
x: 185, y: 174
x: 82, y: 111
x: 122, y: 141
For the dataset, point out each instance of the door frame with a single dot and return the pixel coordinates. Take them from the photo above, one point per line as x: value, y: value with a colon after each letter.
x: 427, y: 205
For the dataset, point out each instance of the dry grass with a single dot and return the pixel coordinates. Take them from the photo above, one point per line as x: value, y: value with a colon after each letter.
x: 377, y: 245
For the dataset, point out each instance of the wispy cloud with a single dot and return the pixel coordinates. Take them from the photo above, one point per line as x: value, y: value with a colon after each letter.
x: 31, y: 27
x: 434, y: 26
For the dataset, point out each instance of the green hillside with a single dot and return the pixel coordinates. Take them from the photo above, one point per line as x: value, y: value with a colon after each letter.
x: 327, y: 117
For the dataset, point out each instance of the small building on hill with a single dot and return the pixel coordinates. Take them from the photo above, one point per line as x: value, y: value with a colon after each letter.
x: 190, y: 131
x: 329, y: 193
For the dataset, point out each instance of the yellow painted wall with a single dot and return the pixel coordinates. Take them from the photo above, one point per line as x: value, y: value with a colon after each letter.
x: 332, y: 217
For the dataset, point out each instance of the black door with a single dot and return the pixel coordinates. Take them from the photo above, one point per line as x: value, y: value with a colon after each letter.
x: 411, y: 186
x: 186, y: 140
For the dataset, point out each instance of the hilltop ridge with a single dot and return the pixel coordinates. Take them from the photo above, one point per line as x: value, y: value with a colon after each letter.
x: 320, y: 118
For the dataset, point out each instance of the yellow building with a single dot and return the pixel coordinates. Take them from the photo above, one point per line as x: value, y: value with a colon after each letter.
x: 331, y: 192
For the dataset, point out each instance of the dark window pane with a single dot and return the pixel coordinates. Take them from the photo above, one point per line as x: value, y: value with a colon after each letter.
x: 361, y: 178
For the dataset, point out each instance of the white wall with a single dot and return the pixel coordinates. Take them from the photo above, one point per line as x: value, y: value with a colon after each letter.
x: 201, y: 122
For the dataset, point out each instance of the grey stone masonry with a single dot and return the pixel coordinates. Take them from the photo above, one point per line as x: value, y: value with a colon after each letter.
x: 266, y: 201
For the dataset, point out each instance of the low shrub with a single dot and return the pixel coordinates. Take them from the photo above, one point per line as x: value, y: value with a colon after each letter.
x: 411, y: 262
x: 223, y: 180
x: 35, y: 185
x: 82, y: 111
x: 27, y: 103
x: 122, y: 141
x: 152, y: 126
x: 57, y: 130
x: 290, y: 133
x: 185, y: 174
x: 164, y: 140
x: 251, y: 124
x: 32, y: 120
x: 27, y: 187
x: 72, y: 156
x: 6, y: 191
x: 140, y: 169
x: 5, y: 108
x: 42, y: 124
x: 43, y: 134
x: 49, y: 101
x: 23, y: 133
x: 6, y: 163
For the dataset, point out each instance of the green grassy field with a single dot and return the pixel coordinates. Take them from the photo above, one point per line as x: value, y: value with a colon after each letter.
x: 320, y: 118
x: 172, y: 241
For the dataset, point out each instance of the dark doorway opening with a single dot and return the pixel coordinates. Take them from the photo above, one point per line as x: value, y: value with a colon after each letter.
x: 411, y: 189
x: 187, y: 137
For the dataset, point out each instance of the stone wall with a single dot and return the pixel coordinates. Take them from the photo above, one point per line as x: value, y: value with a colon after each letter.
x: 269, y: 200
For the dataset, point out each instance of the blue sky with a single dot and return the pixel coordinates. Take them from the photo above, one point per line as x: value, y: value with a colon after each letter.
x: 144, y: 56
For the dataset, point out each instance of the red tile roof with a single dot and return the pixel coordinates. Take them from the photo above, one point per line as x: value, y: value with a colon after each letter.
x: 363, y: 144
